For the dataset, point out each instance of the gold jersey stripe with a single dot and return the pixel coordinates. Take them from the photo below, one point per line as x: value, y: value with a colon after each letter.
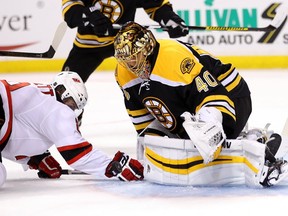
x: 82, y: 45
x: 142, y: 126
x: 216, y: 98
x: 140, y: 112
x: 234, y: 84
x: 92, y: 41
x: 222, y: 109
x: 95, y: 37
x: 226, y: 74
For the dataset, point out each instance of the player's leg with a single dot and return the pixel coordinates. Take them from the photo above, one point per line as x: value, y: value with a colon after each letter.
x: 85, y: 61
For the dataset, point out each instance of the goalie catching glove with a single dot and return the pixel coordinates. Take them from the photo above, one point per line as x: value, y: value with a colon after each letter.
x: 48, y: 167
x: 205, y: 131
x: 125, y: 168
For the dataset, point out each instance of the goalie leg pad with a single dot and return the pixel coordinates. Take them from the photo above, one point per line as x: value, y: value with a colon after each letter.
x: 153, y: 129
x: 172, y: 161
x: 178, y: 162
x: 254, y: 153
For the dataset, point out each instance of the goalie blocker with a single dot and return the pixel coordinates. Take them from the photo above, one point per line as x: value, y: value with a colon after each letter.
x: 175, y: 161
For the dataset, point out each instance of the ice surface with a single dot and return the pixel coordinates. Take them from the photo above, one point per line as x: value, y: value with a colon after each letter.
x: 107, y: 126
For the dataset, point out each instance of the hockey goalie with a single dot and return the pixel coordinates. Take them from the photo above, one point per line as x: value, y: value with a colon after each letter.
x: 203, y: 103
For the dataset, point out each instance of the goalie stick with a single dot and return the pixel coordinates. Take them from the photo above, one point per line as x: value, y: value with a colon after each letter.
x: 59, y: 34
x: 278, y: 19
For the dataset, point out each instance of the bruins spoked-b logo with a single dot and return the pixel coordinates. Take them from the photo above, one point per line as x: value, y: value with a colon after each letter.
x: 160, y: 111
x: 112, y: 9
x: 187, y: 65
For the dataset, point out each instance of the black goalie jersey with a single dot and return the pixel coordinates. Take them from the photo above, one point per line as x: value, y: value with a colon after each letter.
x: 184, y: 78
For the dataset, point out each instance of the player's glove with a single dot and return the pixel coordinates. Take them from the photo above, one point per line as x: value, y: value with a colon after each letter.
x: 175, y: 26
x: 48, y: 167
x: 125, y: 168
x: 101, y: 25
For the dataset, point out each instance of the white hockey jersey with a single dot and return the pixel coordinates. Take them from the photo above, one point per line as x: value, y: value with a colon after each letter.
x: 35, y: 120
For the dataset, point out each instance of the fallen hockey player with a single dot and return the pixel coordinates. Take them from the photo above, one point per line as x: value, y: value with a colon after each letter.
x: 33, y: 117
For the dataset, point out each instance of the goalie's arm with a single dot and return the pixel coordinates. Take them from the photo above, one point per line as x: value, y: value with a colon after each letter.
x: 213, y: 118
x: 206, y: 91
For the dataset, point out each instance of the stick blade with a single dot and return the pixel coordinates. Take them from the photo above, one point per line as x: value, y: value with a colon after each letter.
x: 59, y: 34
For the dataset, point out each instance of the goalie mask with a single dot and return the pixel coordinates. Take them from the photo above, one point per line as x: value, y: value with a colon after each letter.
x: 133, y: 44
x: 72, y: 87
